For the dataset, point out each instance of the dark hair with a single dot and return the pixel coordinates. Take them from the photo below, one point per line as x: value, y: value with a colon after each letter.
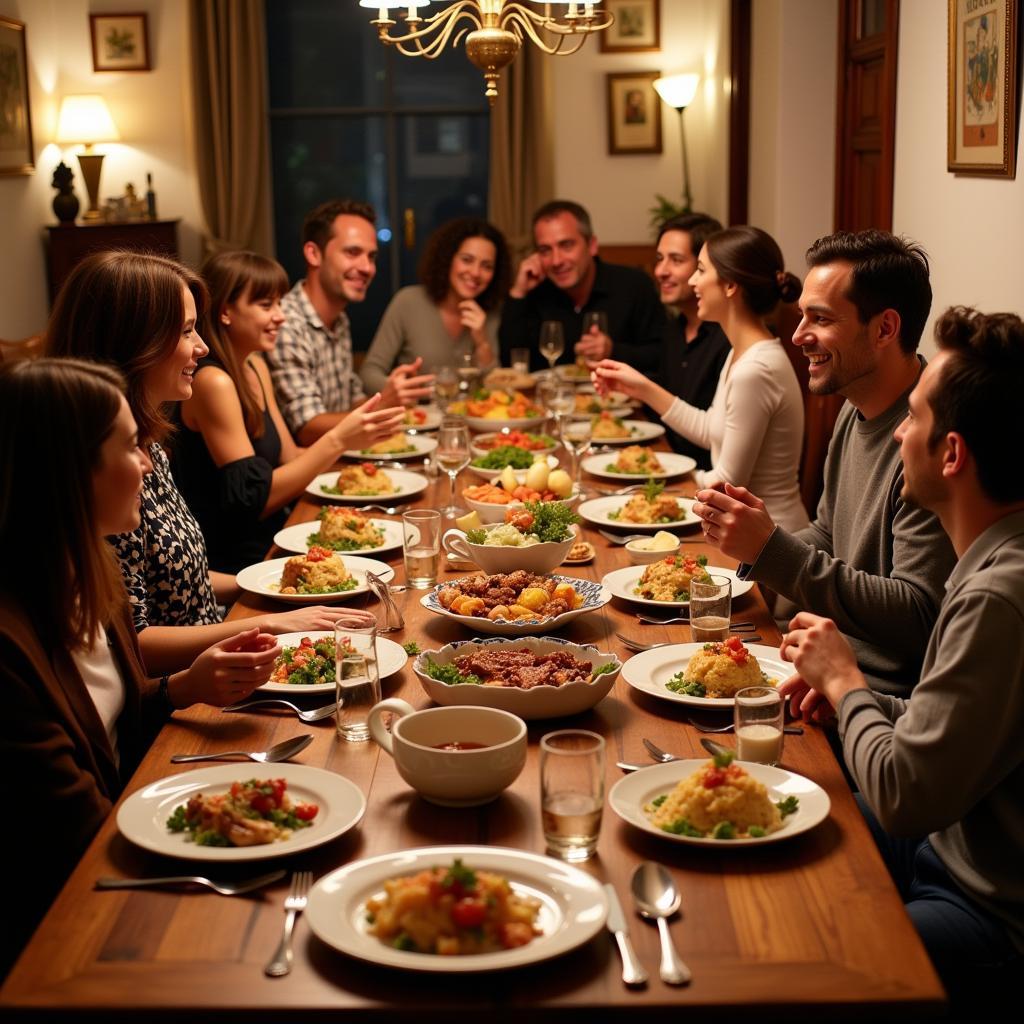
x: 888, y: 273
x: 752, y: 260
x: 125, y: 308
x: 558, y: 206
x: 699, y: 226
x: 231, y: 276
x: 55, y: 415
x: 318, y: 225
x: 977, y: 391
x: 440, y: 250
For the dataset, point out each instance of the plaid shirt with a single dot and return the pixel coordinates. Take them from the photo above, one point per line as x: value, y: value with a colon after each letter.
x: 312, y: 365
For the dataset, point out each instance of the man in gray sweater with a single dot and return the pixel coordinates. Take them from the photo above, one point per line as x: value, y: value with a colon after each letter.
x: 949, y: 763
x: 870, y: 561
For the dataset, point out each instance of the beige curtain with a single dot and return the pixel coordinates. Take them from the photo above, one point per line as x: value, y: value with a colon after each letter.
x: 522, y: 144
x: 232, y: 145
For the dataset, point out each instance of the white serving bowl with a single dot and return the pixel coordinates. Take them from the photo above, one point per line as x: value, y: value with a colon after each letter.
x: 492, y: 513
x: 479, y: 449
x: 638, y: 556
x: 495, y: 558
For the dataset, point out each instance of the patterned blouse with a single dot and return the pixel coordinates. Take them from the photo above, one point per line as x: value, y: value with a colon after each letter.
x: 164, y: 561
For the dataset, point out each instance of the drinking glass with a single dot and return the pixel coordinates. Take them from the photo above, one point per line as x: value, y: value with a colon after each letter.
x: 552, y: 341
x: 356, y: 680
x: 571, y: 792
x: 595, y: 318
x: 710, y: 609
x: 520, y: 358
x: 468, y: 372
x: 561, y: 402
x: 759, y: 718
x: 577, y: 436
x: 452, y: 455
x: 446, y: 385
x: 421, y: 547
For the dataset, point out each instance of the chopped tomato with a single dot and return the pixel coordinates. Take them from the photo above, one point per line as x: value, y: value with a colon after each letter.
x: 369, y: 469
x: 713, y: 778
x: 306, y: 812
x: 469, y: 913
x: 515, y: 933
x: 317, y: 554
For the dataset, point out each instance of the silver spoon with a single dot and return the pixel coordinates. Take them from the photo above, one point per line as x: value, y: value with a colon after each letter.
x: 313, y: 715
x: 278, y: 752
x: 658, y: 754
x: 656, y: 897
x: 224, y: 888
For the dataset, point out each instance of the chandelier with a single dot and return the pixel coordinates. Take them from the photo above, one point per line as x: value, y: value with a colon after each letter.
x: 494, y: 29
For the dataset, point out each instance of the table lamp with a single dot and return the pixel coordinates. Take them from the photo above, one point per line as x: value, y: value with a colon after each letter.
x: 678, y: 91
x: 86, y: 120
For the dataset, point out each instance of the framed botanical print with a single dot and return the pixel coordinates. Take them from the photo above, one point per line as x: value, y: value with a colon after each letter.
x: 16, y: 154
x: 119, y: 42
x: 636, y: 28
x: 634, y: 113
x: 982, y: 87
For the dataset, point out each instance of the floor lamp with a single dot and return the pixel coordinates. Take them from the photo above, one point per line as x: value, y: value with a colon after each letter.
x: 86, y: 119
x: 678, y: 92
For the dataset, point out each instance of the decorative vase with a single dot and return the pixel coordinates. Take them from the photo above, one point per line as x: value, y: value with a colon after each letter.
x: 65, y: 202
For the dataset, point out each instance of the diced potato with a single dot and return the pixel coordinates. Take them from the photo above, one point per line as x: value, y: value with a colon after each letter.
x: 533, y: 598
x: 565, y: 592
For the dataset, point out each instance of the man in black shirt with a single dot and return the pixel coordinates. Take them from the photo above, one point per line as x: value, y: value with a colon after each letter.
x: 563, y: 279
x: 693, y: 351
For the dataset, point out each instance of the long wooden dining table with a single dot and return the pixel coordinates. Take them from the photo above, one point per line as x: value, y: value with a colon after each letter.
x: 795, y: 929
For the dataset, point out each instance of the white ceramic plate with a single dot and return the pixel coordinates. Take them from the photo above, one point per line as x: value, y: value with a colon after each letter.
x: 391, y: 658
x: 538, y: 701
x: 263, y: 579
x: 406, y: 485
x: 671, y: 465
x: 423, y: 417
x: 142, y: 818
x: 629, y: 795
x: 649, y: 671
x: 492, y: 474
x: 623, y: 582
x: 594, y: 596
x: 296, y: 538
x: 421, y: 446
x: 475, y: 445
x: 573, y: 906
x: 639, y: 432
x: 596, y: 511
x: 491, y: 512
x: 572, y: 372
x: 526, y: 423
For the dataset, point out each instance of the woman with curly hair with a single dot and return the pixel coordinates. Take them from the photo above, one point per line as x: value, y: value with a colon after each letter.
x: 454, y: 311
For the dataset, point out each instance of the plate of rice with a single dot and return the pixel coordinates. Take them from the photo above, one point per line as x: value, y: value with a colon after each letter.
x: 707, y: 803
x: 666, y: 578
x: 669, y: 673
x: 613, y: 511
x: 398, y: 446
x: 366, y: 482
x: 341, y: 529
x: 316, y: 577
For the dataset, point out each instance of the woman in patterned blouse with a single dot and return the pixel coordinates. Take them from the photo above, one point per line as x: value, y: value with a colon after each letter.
x: 139, y: 312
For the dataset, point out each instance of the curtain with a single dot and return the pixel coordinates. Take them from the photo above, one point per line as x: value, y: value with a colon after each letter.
x: 228, y: 50
x: 522, y: 171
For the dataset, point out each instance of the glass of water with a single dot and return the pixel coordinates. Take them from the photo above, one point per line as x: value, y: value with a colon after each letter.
x: 571, y: 792
x: 421, y: 537
x: 577, y: 436
x: 356, y: 680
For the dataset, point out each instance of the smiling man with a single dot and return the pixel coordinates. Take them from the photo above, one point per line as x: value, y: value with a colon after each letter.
x: 871, y: 561
x: 311, y: 364
x: 563, y: 279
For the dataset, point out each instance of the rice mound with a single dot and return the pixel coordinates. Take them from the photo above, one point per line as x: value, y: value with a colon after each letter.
x: 302, y: 575
x: 720, y: 673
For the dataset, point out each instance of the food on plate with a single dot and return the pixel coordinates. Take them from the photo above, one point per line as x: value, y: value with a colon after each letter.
x: 595, y: 403
x: 492, y: 494
x: 415, y: 417
x: 574, y: 371
x: 504, y: 455
x: 523, y: 669
x: 312, y: 663
x: 504, y: 536
x: 581, y: 551
x: 507, y: 379
x: 397, y: 444
x: 560, y: 482
x: 650, y: 506
x: 453, y: 911
x: 342, y: 530
x: 496, y: 405
x: 720, y: 800
x: 531, y: 442
x: 661, y: 541
x: 318, y: 571
x: 636, y: 460
x: 251, y: 813
x: 509, y: 597
x: 364, y: 480
x: 669, y: 579
x: 608, y: 427
x: 719, y: 669
x: 543, y: 521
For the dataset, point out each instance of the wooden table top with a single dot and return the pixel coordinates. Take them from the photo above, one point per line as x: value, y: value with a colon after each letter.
x: 812, y: 924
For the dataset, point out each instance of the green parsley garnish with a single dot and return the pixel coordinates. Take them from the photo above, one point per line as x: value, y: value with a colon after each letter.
x: 450, y: 675
x: 723, y: 758
x: 724, y: 830
x: 659, y: 800
x: 788, y: 806
x: 681, y: 827
x: 476, y: 536
x: 505, y: 455
x: 689, y: 688
x: 460, y: 874
x: 551, y: 520
x: 610, y: 667
x: 411, y: 647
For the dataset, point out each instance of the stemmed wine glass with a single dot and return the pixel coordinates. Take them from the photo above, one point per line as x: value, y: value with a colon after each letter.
x: 577, y: 436
x: 452, y: 456
x: 552, y: 341
x: 562, y: 402
x: 446, y: 385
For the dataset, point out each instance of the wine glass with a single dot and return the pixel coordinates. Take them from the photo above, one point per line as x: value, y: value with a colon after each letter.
x: 446, y: 385
x: 577, y: 436
x: 562, y: 402
x: 552, y: 341
x: 468, y: 372
x: 452, y: 456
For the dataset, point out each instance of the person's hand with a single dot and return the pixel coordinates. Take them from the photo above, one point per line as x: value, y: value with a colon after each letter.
x: 594, y: 345
x: 528, y: 276
x: 406, y: 385
x: 804, y: 702
x: 822, y: 657
x: 735, y: 520
x: 368, y: 423
x: 472, y: 316
x: 318, y: 617
x: 226, y: 672
x: 608, y: 375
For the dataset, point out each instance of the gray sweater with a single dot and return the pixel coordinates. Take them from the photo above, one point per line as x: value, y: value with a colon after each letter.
x: 950, y: 761
x: 870, y: 561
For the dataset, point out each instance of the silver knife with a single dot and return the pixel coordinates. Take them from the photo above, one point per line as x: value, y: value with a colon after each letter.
x: 633, y: 972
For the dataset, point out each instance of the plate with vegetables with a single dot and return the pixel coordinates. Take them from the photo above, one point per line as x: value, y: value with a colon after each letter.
x: 532, y: 677
x: 519, y: 460
x: 681, y: 801
x: 307, y: 663
x: 636, y: 581
x: 150, y: 817
x: 539, y: 444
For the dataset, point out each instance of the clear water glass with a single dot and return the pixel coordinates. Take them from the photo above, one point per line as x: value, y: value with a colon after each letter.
x: 572, y: 792
x: 452, y: 455
x: 356, y: 680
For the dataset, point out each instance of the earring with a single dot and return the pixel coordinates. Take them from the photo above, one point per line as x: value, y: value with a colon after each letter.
x: 225, y: 319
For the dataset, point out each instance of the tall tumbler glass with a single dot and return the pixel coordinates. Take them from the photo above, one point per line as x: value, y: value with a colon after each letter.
x: 571, y: 792
x: 356, y: 680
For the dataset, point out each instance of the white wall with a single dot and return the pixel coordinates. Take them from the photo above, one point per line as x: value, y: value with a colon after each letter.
x: 619, y: 190
x: 152, y: 111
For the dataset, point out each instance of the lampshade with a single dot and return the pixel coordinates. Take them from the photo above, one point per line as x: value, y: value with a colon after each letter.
x: 677, y: 90
x: 85, y: 119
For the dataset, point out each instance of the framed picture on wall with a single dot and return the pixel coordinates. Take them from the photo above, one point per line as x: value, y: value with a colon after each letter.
x: 16, y: 154
x: 119, y: 42
x: 634, y: 113
x: 636, y: 28
x: 982, y: 87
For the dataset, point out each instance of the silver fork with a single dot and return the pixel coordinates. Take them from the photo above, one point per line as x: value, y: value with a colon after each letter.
x: 224, y: 888
x: 295, y: 902
x: 314, y: 715
x: 790, y: 730
x: 388, y: 510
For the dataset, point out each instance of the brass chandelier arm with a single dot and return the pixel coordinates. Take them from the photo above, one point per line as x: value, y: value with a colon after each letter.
x: 520, y: 25
x: 580, y: 26
x: 435, y: 47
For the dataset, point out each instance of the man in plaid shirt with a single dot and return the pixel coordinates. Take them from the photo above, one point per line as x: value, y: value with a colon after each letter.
x: 311, y: 363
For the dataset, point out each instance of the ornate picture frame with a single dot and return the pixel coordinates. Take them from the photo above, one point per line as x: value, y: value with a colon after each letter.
x: 637, y: 26
x: 16, y: 153
x: 120, y: 42
x: 634, y: 113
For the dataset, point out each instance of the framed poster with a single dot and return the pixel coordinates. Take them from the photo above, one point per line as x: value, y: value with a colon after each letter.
x: 16, y: 155
x: 982, y: 87
x: 634, y: 113
x: 636, y: 28
x: 119, y: 42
